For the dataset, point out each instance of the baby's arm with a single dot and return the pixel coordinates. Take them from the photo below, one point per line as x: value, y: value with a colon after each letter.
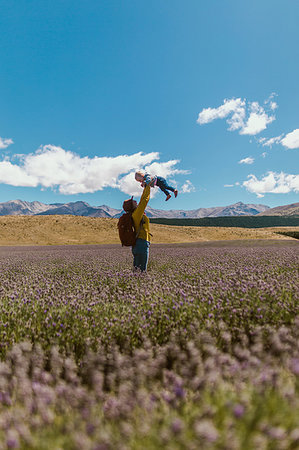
x: 147, y: 179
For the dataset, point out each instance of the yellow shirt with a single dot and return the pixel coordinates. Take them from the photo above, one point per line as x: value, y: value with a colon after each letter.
x: 139, y: 213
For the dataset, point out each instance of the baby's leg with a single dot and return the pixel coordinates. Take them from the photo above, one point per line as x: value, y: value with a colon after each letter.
x: 170, y: 188
x: 164, y: 190
x: 164, y: 186
x: 167, y: 188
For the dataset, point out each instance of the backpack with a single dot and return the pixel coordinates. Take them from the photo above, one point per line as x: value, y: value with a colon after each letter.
x: 126, y: 230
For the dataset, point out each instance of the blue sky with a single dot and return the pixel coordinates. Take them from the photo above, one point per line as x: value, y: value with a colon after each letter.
x: 204, y: 93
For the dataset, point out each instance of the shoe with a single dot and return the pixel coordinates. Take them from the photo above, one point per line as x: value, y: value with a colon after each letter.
x: 168, y: 197
x: 175, y: 193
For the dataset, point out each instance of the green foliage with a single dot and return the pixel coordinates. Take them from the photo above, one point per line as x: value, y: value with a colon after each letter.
x: 233, y: 221
x: 200, y: 352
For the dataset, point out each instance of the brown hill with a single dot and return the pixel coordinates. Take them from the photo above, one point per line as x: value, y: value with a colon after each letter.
x: 286, y: 210
x: 67, y: 230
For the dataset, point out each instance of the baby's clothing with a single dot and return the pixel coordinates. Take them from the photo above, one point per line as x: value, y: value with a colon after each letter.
x: 158, y: 181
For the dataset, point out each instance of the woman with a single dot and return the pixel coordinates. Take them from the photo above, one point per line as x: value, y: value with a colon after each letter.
x: 141, y: 223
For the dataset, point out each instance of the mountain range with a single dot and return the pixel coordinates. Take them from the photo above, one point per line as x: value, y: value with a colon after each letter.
x: 286, y: 210
x: 20, y: 207
x: 79, y: 208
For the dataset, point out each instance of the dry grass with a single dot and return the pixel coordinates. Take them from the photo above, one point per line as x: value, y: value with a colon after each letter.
x: 67, y: 230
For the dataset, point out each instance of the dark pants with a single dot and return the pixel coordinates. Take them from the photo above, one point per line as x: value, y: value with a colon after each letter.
x: 162, y: 184
x: 140, y: 252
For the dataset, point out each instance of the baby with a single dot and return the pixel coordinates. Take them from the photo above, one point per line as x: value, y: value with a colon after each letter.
x: 145, y: 179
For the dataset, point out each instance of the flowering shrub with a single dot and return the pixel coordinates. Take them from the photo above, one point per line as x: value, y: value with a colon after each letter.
x: 200, y: 352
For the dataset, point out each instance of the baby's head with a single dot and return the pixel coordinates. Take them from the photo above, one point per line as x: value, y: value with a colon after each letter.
x: 139, y: 175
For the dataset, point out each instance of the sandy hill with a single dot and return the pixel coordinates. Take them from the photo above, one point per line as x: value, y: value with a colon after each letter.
x: 286, y: 210
x: 67, y: 230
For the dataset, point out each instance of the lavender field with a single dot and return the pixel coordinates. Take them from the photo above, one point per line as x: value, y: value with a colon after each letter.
x: 200, y: 352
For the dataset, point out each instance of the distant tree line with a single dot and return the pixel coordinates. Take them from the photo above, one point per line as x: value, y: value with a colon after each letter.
x: 293, y: 234
x: 233, y: 221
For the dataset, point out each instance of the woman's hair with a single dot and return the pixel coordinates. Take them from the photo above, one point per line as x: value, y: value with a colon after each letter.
x: 129, y: 205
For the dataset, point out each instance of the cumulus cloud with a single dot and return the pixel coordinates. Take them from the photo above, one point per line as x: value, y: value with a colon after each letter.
x: 53, y: 167
x: 291, y: 140
x: 187, y: 187
x: 248, y: 117
x: 15, y: 175
x: 129, y: 185
x: 272, y: 182
x: 233, y: 107
x: 247, y: 160
x: 4, y: 143
x: 257, y: 121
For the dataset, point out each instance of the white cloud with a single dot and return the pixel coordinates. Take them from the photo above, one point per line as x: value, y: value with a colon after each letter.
x: 187, y: 187
x: 4, y: 143
x: 272, y: 182
x: 236, y: 107
x: 250, y: 118
x: 15, y: 175
x: 269, y: 101
x: 273, y: 105
x: 291, y: 140
x: 53, y: 167
x: 129, y: 185
x: 164, y: 169
x: 269, y: 142
x: 247, y: 160
x: 232, y: 185
x: 235, y: 111
x: 236, y: 121
x: 257, y: 121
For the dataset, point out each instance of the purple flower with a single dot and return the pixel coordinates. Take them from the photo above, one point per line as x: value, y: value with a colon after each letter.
x: 238, y: 411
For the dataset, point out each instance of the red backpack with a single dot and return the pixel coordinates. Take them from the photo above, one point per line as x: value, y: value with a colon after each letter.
x: 126, y: 230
